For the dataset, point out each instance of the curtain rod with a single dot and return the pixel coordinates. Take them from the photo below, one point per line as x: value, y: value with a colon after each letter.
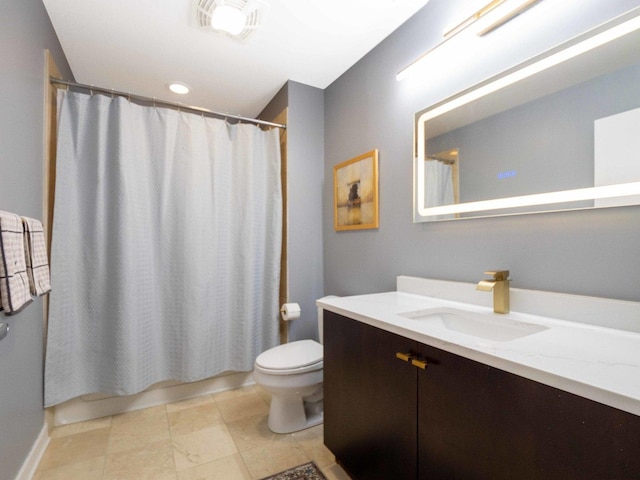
x: 155, y: 101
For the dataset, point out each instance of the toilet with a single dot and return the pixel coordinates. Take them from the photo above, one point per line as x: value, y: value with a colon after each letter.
x: 292, y: 374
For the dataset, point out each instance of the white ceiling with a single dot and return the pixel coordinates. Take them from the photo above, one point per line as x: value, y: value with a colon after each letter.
x: 139, y: 46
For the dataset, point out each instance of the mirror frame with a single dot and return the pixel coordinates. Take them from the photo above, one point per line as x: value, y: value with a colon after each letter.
x: 515, y: 78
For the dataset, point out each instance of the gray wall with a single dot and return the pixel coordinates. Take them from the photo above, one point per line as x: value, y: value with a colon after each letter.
x: 305, y: 154
x: 25, y: 32
x: 586, y: 252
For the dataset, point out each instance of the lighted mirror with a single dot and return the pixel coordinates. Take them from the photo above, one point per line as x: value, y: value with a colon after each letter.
x: 560, y: 131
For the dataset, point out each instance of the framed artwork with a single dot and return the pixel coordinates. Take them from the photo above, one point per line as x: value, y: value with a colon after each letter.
x: 355, y: 193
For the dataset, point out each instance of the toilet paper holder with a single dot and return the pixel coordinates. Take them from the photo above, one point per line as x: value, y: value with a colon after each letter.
x: 290, y: 311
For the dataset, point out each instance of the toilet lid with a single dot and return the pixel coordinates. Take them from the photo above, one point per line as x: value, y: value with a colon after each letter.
x: 291, y: 355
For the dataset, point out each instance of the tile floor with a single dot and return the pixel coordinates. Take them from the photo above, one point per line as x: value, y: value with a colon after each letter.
x: 214, y: 437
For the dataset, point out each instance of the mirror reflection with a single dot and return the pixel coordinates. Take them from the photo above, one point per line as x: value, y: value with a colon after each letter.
x: 571, y: 127
x: 441, y: 173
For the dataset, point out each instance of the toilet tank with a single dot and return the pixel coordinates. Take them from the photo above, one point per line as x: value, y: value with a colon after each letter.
x: 320, y: 318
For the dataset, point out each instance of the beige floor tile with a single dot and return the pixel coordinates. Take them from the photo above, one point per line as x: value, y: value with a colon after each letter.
x: 138, y: 433
x: 312, y: 442
x: 186, y: 440
x: 251, y: 432
x: 86, y: 470
x: 274, y: 458
x: 238, y: 392
x: 203, y: 446
x: 248, y: 405
x: 195, y: 418
x: 75, y: 448
x: 141, y: 414
x: 153, y: 462
x: 80, y: 427
x: 335, y: 472
x: 189, y: 403
x: 227, y: 468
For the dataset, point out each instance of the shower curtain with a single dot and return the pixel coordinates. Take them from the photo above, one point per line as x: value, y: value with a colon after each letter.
x: 166, y: 242
x: 439, y: 183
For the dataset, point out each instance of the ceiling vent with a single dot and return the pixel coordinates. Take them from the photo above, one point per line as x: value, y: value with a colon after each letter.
x: 234, y: 18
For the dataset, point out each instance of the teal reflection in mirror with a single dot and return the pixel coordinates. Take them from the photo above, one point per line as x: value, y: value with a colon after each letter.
x: 557, y: 132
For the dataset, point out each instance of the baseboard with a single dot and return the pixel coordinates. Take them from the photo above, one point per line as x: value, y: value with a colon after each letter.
x: 90, y: 407
x: 30, y: 465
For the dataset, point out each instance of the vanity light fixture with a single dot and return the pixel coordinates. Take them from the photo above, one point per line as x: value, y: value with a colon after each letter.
x: 493, y: 15
x: 179, y: 88
x: 501, y: 12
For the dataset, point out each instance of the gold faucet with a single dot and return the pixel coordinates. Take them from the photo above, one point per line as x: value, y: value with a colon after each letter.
x: 500, y: 286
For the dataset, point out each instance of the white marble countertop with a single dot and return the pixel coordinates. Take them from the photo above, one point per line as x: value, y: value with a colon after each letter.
x: 599, y: 363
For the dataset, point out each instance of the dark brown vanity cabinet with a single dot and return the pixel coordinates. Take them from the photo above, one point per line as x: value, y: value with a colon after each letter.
x: 459, y: 419
x: 370, y: 400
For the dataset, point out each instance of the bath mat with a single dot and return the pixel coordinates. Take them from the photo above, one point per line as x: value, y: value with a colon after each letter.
x: 308, y: 471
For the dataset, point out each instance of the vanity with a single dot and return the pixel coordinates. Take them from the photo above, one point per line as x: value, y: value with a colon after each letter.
x: 429, y: 382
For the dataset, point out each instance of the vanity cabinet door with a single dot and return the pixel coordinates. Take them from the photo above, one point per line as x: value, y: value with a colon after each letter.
x: 479, y: 422
x: 466, y: 424
x: 369, y: 400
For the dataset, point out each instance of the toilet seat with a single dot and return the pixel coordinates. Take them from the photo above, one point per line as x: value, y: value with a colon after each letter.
x: 291, y: 358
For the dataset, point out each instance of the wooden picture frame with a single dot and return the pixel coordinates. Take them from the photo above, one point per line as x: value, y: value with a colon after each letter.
x: 355, y: 193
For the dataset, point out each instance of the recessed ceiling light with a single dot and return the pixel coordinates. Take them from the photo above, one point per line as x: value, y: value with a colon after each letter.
x: 179, y: 88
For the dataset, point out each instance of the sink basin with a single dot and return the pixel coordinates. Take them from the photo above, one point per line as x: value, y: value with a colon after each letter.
x: 495, y: 327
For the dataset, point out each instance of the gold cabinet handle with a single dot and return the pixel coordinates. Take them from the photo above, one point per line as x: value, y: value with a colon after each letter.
x: 410, y: 357
x: 405, y: 357
x: 419, y: 363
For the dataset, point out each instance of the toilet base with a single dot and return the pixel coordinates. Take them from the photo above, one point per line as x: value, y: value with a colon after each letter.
x: 290, y: 414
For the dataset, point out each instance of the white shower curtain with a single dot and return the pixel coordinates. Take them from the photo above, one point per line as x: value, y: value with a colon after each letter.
x: 439, y: 183
x: 166, y: 242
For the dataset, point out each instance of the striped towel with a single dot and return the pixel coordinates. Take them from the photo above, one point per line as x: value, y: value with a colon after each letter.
x: 14, y: 284
x: 35, y: 254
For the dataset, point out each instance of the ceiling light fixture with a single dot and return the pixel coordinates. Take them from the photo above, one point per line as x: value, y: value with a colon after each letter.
x: 493, y: 15
x: 234, y: 18
x: 179, y: 88
x: 228, y: 19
